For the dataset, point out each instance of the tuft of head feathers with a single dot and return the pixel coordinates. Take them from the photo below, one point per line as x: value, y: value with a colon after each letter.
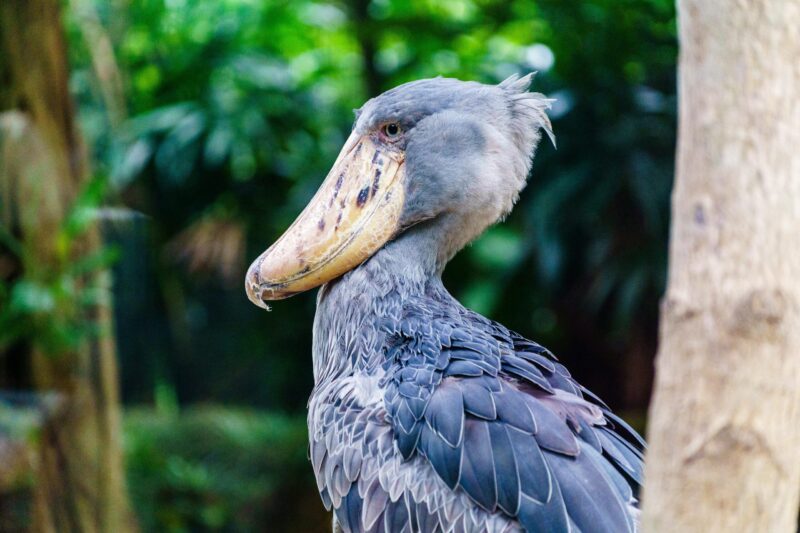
x: 528, y: 106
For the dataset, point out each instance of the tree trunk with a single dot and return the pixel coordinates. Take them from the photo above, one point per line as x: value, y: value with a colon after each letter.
x: 725, y: 417
x: 80, y: 479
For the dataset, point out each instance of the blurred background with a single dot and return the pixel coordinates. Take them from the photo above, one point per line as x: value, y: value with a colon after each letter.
x: 210, y: 123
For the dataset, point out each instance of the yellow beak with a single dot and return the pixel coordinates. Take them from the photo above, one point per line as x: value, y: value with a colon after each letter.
x: 355, y: 211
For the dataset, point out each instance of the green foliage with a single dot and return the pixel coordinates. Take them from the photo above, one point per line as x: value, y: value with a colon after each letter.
x: 215, y: 469
x: 46, y: 305
x: 237, y: 108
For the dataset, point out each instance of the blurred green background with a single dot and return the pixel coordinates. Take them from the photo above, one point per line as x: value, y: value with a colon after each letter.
x: 213, y: 122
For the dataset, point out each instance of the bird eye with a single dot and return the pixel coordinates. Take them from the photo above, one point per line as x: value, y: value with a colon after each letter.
x: 392, y: 130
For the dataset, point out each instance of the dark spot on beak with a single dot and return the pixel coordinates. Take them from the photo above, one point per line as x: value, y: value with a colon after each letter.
x: 338, y: 220
x: 336, y: 188
x: 376, y: 181
x: 321, y: 224
x: 363, y: 194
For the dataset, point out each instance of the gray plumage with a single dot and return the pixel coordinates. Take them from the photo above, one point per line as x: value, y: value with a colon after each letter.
x: 426, y: 416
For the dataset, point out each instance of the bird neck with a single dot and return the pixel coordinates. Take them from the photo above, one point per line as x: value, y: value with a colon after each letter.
x: 347, y: 337
x: 426, y: 248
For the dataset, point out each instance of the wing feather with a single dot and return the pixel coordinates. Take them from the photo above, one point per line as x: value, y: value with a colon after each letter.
x: 501, y: 421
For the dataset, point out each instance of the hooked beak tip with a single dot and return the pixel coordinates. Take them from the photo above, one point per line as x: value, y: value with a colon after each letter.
x: 253, y: 288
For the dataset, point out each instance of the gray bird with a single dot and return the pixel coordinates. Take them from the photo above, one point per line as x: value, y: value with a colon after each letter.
x: 426, y: 416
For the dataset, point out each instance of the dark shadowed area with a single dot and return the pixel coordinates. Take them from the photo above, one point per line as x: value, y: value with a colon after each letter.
x: 212, y: 123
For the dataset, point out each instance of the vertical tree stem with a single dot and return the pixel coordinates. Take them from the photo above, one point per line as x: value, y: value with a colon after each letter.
x: 725, y: 417
x: 80, y: 480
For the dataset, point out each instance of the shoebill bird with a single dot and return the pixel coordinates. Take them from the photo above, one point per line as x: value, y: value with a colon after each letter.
x: 426, y: 416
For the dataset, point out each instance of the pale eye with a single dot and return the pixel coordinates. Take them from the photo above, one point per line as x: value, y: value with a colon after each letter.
x: 392, y: 130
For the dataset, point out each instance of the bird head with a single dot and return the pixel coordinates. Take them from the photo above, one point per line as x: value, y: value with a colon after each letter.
x: 437, y: 151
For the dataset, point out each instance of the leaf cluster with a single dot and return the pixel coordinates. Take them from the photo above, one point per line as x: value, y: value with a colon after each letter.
x: 46, y: 303
x: 235, y: 110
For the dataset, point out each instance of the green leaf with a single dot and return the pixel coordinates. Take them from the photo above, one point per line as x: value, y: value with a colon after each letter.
x: 31, y: 297
x: 95, y: 261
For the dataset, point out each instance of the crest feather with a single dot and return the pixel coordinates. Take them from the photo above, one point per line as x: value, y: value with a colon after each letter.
x: 530, y: 105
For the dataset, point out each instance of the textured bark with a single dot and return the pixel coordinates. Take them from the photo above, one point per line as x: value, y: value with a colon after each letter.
x: 80, y: 480
x: 725, y: 418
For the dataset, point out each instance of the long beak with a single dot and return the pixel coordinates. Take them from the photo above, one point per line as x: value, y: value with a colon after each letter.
x: 354, y: 213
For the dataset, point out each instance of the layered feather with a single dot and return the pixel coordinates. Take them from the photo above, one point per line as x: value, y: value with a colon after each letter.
x: 474, y: 428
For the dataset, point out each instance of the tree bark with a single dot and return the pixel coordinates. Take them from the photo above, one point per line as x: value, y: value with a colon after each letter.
x: 725, y: 417
x: 80, y: 478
